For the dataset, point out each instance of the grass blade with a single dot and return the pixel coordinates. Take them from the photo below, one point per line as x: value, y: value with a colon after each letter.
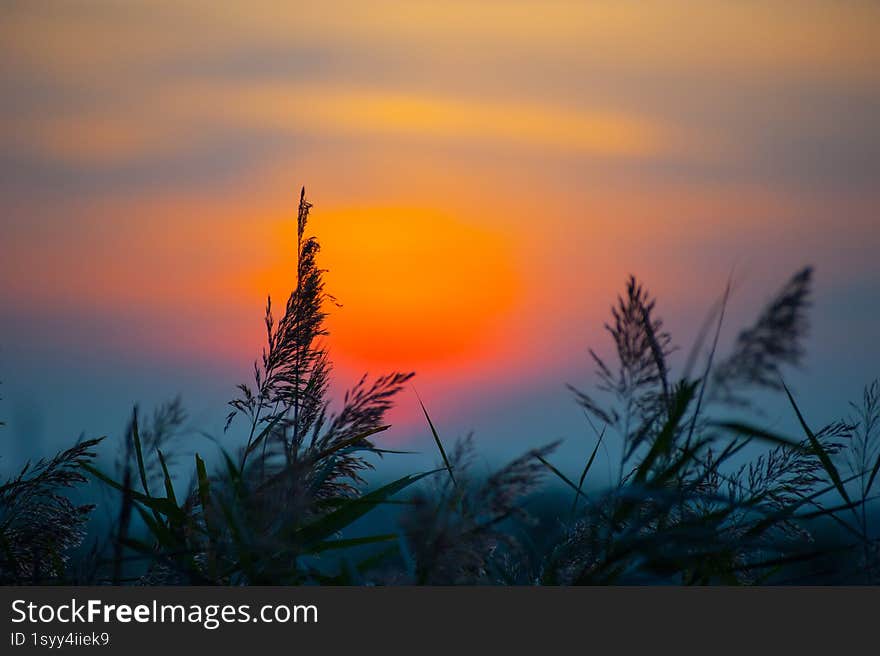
x: 352, y: 510
x: 350, y: 442
x: 760, y: 434
x: 586, y: 471
x: 820, y: 451
x: 565, y: 479
x: 169, y: 486
x: 664, y: 441
x: 139, y: 454
x: 159, y: 505
x: 439, y: 443
x: 204, y: 482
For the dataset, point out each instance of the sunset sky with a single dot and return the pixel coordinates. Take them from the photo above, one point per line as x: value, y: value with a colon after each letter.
x: 484, y: 177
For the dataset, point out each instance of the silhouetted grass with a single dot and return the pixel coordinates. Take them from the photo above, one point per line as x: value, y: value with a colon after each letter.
x: 683, y: 508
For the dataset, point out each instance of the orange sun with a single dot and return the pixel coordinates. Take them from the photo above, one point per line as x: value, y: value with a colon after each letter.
x: 417, y: 288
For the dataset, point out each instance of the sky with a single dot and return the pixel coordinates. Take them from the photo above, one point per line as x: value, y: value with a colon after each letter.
x: 485, y: 176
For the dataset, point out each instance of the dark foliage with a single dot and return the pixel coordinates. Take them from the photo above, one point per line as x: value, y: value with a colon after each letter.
x: 461, y: 530
x: 688, y: 506
x: 775, y: 340
x: 39, y: 525
x: 266, y: 514
x: 639, y: 386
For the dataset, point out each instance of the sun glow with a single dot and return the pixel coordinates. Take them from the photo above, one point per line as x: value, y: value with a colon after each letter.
x: 417, y: 288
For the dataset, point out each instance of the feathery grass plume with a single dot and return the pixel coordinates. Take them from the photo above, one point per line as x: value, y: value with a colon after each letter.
x: 305, y: 451
x: 775, y: 340
x: 643, y: 530
x: 267, y: 515
x: 863, y: 456
x: 463, y: 531
x: 288, y: 406
x: 863, y: 462
x: 293, y: 376
x: 684, y: 513
x: 787, y: 474
x: 783, y: 478
x: 640, y: 384
x: 39, y: 526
